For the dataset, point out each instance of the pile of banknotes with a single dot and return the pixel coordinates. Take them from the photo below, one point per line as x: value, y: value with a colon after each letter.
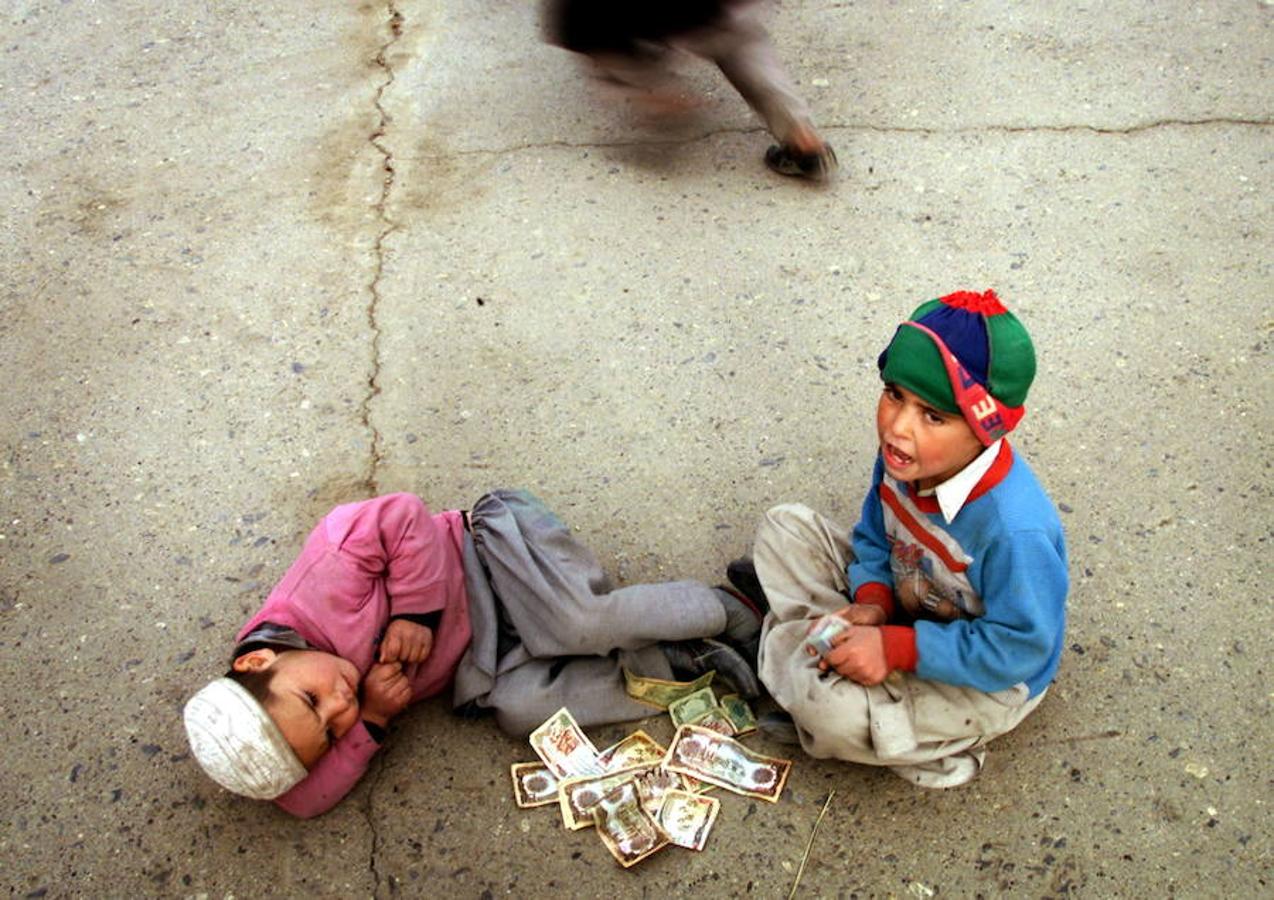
x: 639, y: 795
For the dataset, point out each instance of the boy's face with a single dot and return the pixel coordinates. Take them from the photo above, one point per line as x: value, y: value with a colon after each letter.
x: 313, y: 697
x: 919, y: 442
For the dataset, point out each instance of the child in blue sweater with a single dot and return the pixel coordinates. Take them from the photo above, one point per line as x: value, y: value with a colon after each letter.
x: 955, y: 573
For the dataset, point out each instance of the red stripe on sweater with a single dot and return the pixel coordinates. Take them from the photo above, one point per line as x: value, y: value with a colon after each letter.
x: 918, y: 530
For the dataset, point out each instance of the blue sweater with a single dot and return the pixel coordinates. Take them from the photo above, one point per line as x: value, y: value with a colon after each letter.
x: 1002, y: 562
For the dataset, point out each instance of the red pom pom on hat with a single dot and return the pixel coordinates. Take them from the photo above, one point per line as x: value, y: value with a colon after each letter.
x: 986, y: 303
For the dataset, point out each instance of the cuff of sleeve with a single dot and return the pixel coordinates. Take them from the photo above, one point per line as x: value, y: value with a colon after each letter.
x: 365, y: 744
x: 429, y: 620
x: 877, y: 594
x: 900, y: 647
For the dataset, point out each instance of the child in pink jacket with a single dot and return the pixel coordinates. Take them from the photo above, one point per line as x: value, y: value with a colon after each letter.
x: 389, y: 604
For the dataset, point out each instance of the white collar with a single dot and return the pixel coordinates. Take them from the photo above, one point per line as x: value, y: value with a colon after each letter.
x: 953, y: 493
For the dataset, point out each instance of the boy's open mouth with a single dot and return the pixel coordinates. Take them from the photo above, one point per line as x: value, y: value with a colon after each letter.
x: 896, y: 457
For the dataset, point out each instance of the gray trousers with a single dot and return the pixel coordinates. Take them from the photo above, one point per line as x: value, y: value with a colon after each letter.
x: 928, y: 732
x: 548, y: 629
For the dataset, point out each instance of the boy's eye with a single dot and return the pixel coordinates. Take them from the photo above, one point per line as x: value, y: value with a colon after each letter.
x: 934, y: 418
x: 311, y: 699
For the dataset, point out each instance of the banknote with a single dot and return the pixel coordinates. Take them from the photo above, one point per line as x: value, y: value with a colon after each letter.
x: 715, y: 719
x: 714, y: 758
x: 821, y: 637
x: 629, y: 832
x: 655, y: 783
x: 533, y: 784
x: 636, y: 749
x: 578, y: 796
x: 692, y: 706
x: 687, y: 818
x: 564, y: 747
x: 695, y: 786
x: 659, y: 693
x: 739, y: 713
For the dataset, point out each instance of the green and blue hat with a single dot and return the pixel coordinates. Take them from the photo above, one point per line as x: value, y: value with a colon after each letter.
x: 965, y: 353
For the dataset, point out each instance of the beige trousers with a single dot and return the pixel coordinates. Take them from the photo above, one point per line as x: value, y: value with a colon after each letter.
x: 927, y: 732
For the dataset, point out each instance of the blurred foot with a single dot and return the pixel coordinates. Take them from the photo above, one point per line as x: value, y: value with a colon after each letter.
x: 803, y: 158
x: 817, y: 164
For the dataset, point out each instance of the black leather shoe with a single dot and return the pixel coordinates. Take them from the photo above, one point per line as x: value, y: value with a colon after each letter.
x: 690, y: 659
x: 778, y: 726
x: 787, y: 160
x: 742, y: 574
x: 742, y: 618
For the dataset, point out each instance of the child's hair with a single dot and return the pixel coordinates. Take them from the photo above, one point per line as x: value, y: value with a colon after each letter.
x: 256, y: 683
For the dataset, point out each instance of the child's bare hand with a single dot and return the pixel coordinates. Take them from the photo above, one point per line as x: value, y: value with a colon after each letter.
x: 406, y: 642
x: 863, y: 614
x: 386, y: 692
x: 859, y: 655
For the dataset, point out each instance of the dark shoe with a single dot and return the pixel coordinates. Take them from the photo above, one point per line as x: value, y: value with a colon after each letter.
x: 690, y: 659
x: 787, y: 160
x: 778, y: 726
x: 742, y: 574
x: 742, y: 618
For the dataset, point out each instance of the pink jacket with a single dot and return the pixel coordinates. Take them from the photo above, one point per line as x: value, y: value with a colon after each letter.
x: 363, y: 563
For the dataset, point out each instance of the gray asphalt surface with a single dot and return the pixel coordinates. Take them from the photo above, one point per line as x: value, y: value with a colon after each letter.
x: 261, y: 258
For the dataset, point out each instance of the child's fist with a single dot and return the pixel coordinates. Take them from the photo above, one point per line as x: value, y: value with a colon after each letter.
x: 386, y: 692
x: 405, y: 642
x: 859, y: 655
x: 917, y: 596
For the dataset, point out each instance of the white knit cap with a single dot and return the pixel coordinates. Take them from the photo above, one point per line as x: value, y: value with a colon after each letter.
x: 237, y: 743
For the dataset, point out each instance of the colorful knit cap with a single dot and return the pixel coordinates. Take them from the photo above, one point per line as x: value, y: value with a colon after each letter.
x: 965, y: 353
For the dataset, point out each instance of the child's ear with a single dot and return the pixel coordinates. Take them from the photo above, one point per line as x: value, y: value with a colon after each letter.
x: 254, y: 660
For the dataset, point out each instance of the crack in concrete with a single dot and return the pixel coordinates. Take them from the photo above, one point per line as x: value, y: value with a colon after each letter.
x: 376, y: 452
x: 1152, y: 125
x: 877, y: 129
x: 388, y: 227
x: 373, y: 781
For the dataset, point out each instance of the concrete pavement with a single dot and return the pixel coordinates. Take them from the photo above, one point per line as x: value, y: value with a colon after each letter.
x: 263, y: 258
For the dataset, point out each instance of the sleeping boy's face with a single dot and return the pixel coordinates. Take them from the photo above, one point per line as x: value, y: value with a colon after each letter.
x: 313, y: 697
x: 920, y: 443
